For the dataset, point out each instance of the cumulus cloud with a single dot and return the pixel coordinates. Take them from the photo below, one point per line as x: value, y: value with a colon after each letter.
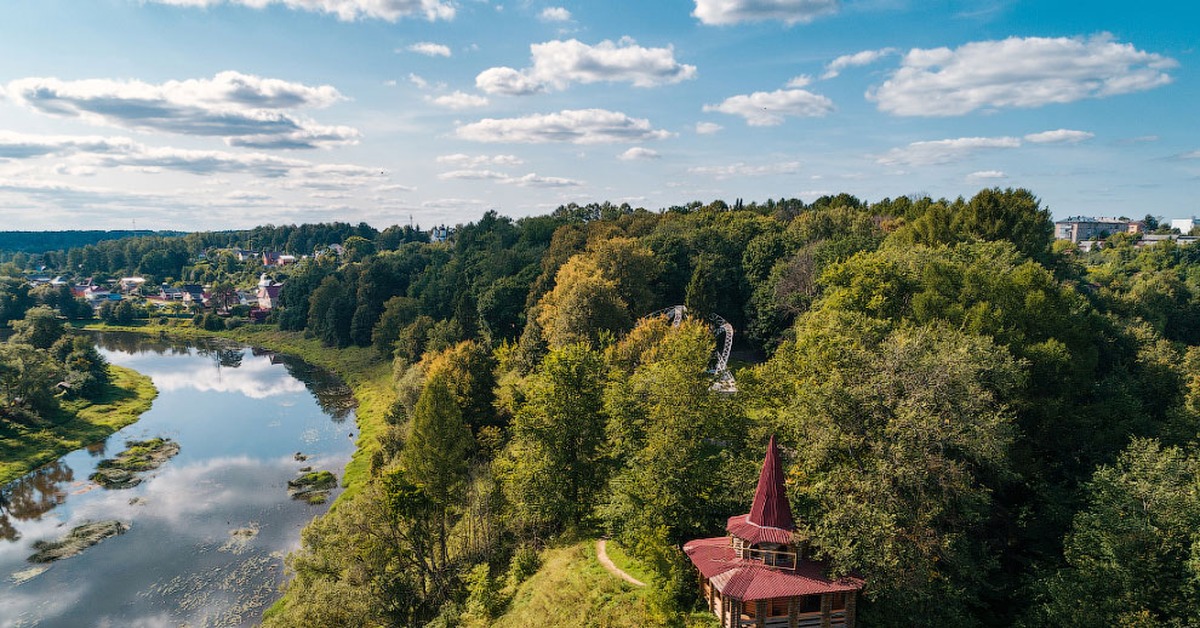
x: 707, y: 128
x: 345, y: 10
x: 770, y: 108
x: 943, y: 151
x: 244, y: 110
x: 866, y: 57
x: 555, y: 14
x: 1059, y: 136
x: 458, y: 100
x: 576, y: 126
x: 986, y: 175
x: 744, y: 170
x: 474, y: 161
x: 720, y: 12
x: 558, y: 64
x: 638, y: 153
x: 430, y: 49
x: 1017, y: 72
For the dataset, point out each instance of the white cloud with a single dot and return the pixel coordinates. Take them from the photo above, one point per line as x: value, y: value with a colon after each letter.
x: 770, y: 108
x: 718, y: 12
x: 458, y: 100
x: 528, y: 180
x: 533, y: 180
x: 638, y: 153
x: 1059, y: 136
x: 430, y: 49
x: 85, y: 153
x: 707, y: 128
x: 558, y: 64
x: 986, y: 175
x: 1017, y: 72
x: 797, y: 82
x: 418, y: 80
x: 866, y: 57
x: 743, y: 170
x: 395, y: 187
x: 345, y: 10
x: 1191, y: 155
x: 555, y: 14
x: 943, y: 151
x: 473, y: 175
x: 247, y: 111
x: 507, y: 81
x: 473, y: 161
x: 577, y: 126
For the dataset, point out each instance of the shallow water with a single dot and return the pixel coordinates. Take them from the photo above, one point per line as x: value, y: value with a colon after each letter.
x: 240, y: 416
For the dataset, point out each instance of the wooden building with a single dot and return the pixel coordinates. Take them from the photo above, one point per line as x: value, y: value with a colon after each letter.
x: 758, y: 575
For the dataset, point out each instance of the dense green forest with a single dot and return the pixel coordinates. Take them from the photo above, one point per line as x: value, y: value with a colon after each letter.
x: 991, y: 427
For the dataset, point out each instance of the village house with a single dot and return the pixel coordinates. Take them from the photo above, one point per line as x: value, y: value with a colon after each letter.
x: 758, y: 575
x: 273, y: 258
x: 268, y: 292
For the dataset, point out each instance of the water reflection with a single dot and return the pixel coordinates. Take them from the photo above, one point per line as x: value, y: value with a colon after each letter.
x: 239, y: 418
x: 32, y: 496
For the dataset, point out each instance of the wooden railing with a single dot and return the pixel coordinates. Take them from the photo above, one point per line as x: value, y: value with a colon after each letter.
x: 804, y: 620
x: 770, y: 558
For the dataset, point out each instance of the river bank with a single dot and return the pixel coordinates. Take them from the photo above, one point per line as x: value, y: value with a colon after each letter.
x: 78, y: 423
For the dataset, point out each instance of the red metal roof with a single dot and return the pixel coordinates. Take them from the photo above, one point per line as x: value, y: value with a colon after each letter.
x: 739, y: 526
x: 770, y: 507
x: 747, y: 580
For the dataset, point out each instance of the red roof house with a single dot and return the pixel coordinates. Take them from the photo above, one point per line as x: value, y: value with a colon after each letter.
x: 758, y: 576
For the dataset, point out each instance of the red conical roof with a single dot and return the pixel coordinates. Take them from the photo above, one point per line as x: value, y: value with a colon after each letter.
x: 771, y: 508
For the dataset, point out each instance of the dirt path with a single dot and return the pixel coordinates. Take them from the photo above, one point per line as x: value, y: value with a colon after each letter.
x: 608, y: 564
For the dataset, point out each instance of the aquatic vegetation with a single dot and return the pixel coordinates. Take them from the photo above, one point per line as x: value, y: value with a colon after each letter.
x: 78, y: 539
x: 139, y: 456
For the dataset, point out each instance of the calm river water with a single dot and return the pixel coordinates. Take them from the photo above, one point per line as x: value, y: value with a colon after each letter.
x: 239, y: 416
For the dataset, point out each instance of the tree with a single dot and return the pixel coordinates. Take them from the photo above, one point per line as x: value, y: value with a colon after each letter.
x: 552, y: 469
x: 436, y: 453
x: 1133, y: 555
x: 901, y: 437
x: 40, y: 328
x: 583, y: 305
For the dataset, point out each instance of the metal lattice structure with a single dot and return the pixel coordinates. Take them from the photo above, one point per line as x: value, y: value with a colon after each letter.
x: 724, y: 335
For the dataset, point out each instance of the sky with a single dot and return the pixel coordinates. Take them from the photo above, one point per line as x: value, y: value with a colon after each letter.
x: 222, y: 114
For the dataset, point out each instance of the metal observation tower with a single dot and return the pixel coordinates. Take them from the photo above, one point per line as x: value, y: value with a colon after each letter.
x: 722, y: 330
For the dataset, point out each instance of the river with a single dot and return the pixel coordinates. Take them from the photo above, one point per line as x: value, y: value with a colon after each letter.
x: 210, y: 528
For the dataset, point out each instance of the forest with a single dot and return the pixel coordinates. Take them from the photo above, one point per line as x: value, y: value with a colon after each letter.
x: 989, y: 426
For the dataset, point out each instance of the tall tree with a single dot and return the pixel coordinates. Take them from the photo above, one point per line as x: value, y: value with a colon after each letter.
x: 552, y: 469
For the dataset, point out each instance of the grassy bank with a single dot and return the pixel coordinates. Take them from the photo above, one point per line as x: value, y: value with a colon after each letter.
x: 360, y: 367
x: 572, y: 589
x: 77, y: 423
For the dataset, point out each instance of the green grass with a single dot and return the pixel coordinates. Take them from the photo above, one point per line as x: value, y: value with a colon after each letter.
x: 627, y: 563
x: 369, y: 376
x: 572, y: 589
x: 78, y: 423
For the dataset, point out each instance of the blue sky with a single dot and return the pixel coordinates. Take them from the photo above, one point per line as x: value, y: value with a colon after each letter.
x: 211, y: 114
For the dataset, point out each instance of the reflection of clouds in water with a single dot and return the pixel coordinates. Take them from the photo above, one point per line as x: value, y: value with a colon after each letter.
x: 256, y: 378
x: 20, y: 610
x: 161, y: 620
x: 180, y: 493
x: 48, y: 527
